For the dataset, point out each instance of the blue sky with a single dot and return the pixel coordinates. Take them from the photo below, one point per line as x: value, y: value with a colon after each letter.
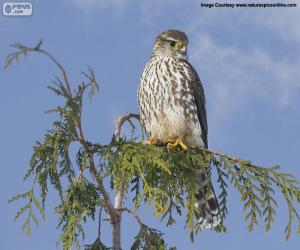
x: 248, y: 60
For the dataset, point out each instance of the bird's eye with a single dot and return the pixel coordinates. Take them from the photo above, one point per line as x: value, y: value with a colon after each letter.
x: 172, y: 43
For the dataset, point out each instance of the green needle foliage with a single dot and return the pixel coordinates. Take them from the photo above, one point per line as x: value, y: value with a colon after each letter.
x: 166, y: 179
x: 148, y: 239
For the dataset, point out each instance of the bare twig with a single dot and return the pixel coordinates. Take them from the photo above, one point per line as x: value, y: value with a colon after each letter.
x: 37, y: 48
x: 123, y: 118
x: 63, y: 71
x: 107, y: 200
x: 133, y: 213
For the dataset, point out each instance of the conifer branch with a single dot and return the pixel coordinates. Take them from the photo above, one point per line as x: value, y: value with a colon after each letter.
x: 229, y: 157
x: 168, y: 179
x: 64, y: 89
x: 120, y: 120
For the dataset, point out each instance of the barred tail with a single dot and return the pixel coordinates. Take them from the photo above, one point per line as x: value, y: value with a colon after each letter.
x: 208, y: 216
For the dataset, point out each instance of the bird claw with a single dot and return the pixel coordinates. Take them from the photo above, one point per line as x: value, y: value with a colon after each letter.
x: 173, y: 143
x: 152, y: 141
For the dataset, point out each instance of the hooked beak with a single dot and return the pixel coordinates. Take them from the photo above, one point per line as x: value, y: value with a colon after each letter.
x: 182, y: 48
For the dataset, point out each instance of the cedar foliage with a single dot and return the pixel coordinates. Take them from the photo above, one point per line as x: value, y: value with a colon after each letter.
x: 167, y: 179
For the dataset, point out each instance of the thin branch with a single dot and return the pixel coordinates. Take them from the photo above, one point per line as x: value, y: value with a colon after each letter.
x: 123, y: 118
x: 229, y: 157
x: 107, y: 200
x: 99, y: 228
x: 63, y: 71
x: 37, y: 48
x: 133, y: 213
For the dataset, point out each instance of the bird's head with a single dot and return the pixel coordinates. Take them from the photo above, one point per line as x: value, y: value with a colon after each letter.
x: 171, y: 43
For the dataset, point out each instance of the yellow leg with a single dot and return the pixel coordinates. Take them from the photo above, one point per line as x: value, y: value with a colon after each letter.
x: 173, y: 143
x: 152, y: 141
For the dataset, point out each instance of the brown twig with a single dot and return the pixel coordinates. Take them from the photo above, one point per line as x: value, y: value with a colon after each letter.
x: 133, y: 213
x: 37, y: 48
x: 63, y: 71
x: 123, y: 118
x: 106, y: 197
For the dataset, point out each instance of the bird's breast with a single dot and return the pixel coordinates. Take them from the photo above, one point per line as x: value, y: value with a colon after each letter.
x: 166, y: 103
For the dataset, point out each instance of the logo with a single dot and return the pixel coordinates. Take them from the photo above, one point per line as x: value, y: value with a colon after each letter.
x: 17, y: 9
x: 7, y: 9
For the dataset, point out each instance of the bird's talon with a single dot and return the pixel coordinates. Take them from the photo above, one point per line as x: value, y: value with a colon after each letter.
x: 173, y: 143
x: 183, y: 146
x: 152, y: 141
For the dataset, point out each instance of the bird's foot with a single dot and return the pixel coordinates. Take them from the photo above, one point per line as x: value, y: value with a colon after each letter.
x: 173, y: 143
x: 152, y: 141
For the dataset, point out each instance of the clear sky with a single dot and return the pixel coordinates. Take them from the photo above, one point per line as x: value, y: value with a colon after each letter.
x: 249, y: 63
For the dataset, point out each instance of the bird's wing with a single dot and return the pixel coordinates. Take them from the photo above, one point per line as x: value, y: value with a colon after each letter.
x: 195, y: 84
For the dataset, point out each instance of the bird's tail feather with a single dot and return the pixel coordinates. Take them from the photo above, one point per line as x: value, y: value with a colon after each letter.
x: 207, y: 204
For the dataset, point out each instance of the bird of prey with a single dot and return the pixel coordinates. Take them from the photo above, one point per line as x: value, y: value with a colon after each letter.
x: 172, y: 110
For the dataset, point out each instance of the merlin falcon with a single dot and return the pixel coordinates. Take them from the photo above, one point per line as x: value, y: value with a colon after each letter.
x: 172, y: 110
